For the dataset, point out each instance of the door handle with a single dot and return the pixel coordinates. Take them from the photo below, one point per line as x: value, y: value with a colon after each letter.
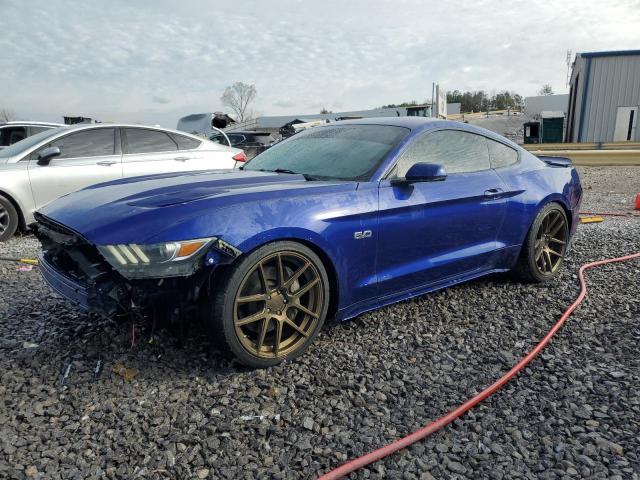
x: 181, y: 159
x: 106, y: 163
x: 493, y: 193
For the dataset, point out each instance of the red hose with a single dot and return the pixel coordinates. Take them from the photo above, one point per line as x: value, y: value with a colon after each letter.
x: 433, y: 427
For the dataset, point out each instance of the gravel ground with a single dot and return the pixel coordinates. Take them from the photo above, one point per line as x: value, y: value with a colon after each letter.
x: 168, y: 411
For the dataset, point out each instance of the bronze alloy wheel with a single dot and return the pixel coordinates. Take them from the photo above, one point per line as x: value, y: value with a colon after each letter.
x: 278, y: 305
x: 551, y: 242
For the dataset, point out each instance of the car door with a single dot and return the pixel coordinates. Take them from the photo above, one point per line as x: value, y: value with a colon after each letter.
x: 147, y: 151
x: 430, y: 232
x: 87, y: 157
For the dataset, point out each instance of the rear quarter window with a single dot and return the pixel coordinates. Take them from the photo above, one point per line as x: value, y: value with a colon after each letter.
x: 501, y: 155
x: 185, y: 143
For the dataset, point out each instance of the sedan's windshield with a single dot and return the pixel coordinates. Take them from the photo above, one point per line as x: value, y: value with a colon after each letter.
x: 19, y: 147
x: 342, y: 152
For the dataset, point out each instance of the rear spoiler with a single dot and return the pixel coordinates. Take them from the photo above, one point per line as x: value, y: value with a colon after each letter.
x: 556, y: 161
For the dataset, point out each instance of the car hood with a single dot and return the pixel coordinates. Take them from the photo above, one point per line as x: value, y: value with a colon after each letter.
x: 139, y: 209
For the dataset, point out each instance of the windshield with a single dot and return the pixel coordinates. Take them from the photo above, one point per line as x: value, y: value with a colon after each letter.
x: 342, y: 152
x: 19, y: 147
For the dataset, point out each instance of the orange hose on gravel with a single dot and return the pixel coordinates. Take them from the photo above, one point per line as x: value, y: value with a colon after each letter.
x: 612, y: 214
x: 433, y: 427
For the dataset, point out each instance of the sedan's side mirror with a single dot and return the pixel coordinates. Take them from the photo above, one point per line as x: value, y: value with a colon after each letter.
x: 422, y: 172
x: 45, y: 156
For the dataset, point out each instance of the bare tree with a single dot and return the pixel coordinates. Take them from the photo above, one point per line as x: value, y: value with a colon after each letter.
x: 7, y: 115
x: 238, y: 97
x: 546, y: 90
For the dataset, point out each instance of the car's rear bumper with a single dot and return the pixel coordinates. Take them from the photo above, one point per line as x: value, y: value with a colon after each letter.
x: 66, y: 286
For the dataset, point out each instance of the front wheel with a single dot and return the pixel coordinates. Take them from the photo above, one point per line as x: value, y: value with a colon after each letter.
x: 271, y: 305
x: 545, y: 247
x: 8, y: 219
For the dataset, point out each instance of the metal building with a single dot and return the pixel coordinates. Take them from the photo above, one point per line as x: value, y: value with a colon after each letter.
x: 534, y: 106
x: 604, y: 97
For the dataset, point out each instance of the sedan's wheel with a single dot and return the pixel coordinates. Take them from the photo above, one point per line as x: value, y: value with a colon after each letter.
x: 545, y: 246
x: 8, y: 219
x: 273, y: 304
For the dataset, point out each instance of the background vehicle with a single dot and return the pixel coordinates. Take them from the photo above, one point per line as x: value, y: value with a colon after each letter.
x: 336, y: 220
x: 251, y: 142
x: 57, y: 161
x: 13, y: 132
x: 204, y: 123
x: 298, y: 125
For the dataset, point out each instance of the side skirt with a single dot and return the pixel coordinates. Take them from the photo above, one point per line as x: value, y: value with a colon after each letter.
x: 368, y: 305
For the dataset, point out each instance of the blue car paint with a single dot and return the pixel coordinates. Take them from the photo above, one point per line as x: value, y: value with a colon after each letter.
x: 423, y: 237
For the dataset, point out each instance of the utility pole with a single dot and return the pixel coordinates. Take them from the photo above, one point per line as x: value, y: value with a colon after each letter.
x: 433, y: 93
x: 569, y: 57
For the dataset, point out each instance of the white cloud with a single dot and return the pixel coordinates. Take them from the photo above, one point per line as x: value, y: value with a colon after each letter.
x: 115, y: 60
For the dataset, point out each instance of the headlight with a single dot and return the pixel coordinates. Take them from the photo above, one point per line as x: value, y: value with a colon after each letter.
x: 170, y: 259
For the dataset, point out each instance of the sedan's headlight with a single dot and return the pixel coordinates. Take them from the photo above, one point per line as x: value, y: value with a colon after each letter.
x: 169, y: 259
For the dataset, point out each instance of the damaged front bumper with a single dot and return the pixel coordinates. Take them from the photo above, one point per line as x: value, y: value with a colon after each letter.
x: 66, y: 286
x: 77, y: 270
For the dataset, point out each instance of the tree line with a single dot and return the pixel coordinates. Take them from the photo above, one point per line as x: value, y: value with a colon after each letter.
x: 480, y: 101
x: 474, y: 101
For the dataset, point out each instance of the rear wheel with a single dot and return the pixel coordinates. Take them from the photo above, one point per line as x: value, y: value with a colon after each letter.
x: 8, y: 219
x: 271, y: 305
x: 545, y: 246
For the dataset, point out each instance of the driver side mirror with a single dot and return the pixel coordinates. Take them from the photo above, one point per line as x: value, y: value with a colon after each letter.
x: 422, y: 172
x: 45, y: 156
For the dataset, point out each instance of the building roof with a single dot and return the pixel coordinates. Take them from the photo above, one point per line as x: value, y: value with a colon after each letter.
x: 611, y: 53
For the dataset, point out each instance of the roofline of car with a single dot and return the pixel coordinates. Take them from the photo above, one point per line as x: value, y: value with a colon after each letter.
x: 80, y: 126
x: 29, y: 122
x: 83, y: 126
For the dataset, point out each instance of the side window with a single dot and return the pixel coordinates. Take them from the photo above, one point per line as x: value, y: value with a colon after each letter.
x: 237, y: 139
x: 34, y: 130
x: 501, y: 155
x: 459, y: 152
x: 4, y: 137
x: 11, y: 135
x: 88, y: 143
x: 141, y: 140
x: 185, y: 143
x: 218, y: 139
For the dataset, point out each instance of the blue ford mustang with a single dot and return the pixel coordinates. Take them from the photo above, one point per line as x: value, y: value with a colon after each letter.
x: 335, y: 221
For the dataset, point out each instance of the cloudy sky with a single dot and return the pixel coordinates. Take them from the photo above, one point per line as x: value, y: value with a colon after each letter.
x: 154, y: 61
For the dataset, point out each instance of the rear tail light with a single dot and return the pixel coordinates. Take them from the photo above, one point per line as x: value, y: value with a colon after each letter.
x: 240, y: 157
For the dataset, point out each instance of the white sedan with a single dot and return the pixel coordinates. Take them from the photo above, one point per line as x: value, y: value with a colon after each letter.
x: 55, y: 162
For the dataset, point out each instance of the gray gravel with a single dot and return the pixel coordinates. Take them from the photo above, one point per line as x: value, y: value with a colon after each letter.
x: 574, y: 413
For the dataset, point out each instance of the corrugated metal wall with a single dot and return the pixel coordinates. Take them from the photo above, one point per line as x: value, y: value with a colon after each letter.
x: 613, y: 81
x: 575, y: 100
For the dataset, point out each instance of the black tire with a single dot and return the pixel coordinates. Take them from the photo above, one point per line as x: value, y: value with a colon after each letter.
x: 528, y: 267
x: 9, y: 219
x: 227, y: 298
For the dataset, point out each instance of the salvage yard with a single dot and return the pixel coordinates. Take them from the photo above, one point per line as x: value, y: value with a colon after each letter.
x: 77, y: 401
